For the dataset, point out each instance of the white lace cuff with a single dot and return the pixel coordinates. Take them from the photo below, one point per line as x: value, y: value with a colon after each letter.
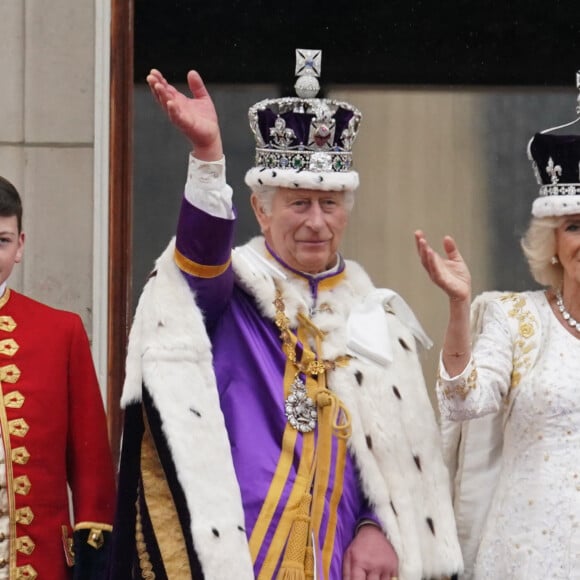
x: 206, y: 187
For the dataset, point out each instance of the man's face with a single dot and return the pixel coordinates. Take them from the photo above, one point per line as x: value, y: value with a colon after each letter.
x: 305, y: 227
x: 11, y: 245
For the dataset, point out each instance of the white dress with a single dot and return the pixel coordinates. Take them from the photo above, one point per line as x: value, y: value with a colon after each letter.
x: 533, y: 527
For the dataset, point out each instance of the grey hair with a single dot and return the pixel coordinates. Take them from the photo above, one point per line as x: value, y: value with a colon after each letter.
x: 539, y: 246
x: 265, y: 197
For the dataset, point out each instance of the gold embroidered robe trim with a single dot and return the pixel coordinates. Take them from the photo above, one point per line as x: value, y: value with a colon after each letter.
x: 162, y: 510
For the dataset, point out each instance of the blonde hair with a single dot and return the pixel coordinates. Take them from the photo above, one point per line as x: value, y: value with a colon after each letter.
x: 266, y: 194
x: 539, y: 246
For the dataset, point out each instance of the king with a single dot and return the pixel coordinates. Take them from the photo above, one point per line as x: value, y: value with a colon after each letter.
x: 277, y: 421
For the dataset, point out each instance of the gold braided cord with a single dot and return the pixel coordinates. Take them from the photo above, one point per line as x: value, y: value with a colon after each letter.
x: 293, y: 565
x: 274, y: 493
x: 333, y: 420
x: 300, y: 489
x: 312, y: 365
x: 328, y: 547
x: 291, y: 509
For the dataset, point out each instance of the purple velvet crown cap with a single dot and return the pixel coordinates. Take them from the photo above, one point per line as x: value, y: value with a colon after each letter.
x: 304, y: 142
x: 556, y: 164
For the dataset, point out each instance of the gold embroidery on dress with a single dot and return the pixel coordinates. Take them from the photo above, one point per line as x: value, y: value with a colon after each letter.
x: 20, y: 455
x: 9, y: 347
x: 22, y: 485
x: 9, y: 374
x: 461, y: 388
x: 527, y: 326
x: 18, y: 427
x: 25, y: 545
x: 14, y: 400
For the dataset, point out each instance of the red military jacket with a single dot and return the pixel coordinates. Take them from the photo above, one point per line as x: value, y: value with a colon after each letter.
x: 54, y: 432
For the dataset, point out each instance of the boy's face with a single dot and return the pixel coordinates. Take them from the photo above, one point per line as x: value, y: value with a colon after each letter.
x: 11, y: 245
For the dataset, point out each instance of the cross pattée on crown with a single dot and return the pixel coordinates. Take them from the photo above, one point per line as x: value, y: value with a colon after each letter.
x: 308, y: 66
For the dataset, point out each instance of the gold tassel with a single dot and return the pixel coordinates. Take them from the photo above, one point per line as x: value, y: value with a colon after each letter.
x: 309, y: 563
x: 292, y: 567
x: 291, y: 574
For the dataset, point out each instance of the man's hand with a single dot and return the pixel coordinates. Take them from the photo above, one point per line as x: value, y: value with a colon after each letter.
x: 370, y: 556
x: 195, y: 116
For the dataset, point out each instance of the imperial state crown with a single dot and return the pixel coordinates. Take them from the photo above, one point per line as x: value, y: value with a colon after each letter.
x: 303, y: 141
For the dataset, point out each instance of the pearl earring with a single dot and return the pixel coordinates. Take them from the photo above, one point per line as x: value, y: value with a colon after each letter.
x: 554, y: 260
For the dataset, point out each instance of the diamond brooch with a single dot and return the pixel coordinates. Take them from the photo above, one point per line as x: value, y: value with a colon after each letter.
x: 300, y: 408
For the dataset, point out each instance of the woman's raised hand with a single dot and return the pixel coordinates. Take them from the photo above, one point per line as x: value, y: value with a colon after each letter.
x: 450, y: 273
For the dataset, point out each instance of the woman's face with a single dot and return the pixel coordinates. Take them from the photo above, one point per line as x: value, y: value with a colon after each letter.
x: 568, y: 250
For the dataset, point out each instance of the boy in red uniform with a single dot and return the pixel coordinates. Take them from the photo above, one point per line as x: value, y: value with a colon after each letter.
x: 53, y: 433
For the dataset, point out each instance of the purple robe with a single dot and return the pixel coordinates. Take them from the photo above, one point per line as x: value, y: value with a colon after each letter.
x: 249, y: 366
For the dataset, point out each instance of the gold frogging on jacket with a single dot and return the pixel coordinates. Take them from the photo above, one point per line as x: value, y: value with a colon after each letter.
x: 7, y: 323
x: 26, y: 573
x: 24, y: 516
x: 18, y: 427
x: 9, y: 374
x: 14, y: 400
x: 20, y: 455
x: 8, y: 347
x: 25, y: 545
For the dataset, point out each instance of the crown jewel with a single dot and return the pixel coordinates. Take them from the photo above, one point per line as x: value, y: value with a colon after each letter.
x: 307, y: 69
x: 305, y: 133
x: 556, y: 163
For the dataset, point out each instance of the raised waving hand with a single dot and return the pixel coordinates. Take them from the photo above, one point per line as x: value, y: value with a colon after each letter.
x: 195, y: 116
x: 450, y: 273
